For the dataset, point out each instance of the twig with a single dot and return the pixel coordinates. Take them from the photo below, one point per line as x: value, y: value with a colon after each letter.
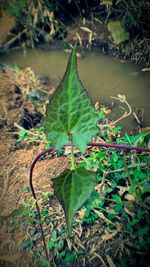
x: 137, y: 119
x: 7, y: 44
x: 126, y: 114
x: 129, y: 167
x: 21, y: 128
x: 101, y: 259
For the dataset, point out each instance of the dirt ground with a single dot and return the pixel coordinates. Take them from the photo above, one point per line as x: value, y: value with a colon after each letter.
x: 16, y: 158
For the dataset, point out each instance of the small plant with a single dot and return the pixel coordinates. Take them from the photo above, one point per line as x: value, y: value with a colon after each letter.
x: 71, y: 121
x: 118, y: 32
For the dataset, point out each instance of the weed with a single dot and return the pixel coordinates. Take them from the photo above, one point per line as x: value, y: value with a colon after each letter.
x: 74, y: 120
x: 118, y: 32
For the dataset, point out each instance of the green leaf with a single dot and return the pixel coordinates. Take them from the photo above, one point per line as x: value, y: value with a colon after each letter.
x: 115, y: 157
x: 26, y: 244
x: 70, y: 258
x: 86, y: 29
x: 44, y: 263
x: 119, y: 33
x: 70, y: 114
x: 22, y: 135
x: 143, y: 231
x: 101, y: 114
x: 51, y: 244
x: 73, y: 188
x: 117, y: 198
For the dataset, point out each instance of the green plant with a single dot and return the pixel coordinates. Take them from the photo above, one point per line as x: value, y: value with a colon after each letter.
x: 15, y: 7
x: 132, y: 13
x: 118, y: 32
x: 35, y: 20
x: 70, y: 117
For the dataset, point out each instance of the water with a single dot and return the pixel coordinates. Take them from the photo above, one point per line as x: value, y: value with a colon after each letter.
x: 101, y: 75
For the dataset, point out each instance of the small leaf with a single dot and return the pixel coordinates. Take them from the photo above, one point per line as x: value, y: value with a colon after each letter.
x: 70, y: 258
x: 117, y: 198
x: 143, y: 231
x: 115, y: 157
x: 86, y: 29
x: 101, y: 114
x: 26, y: 244
x: 51, y: 244
x: 73, y: 188
x: 70, y: 112
x: 44, y: 263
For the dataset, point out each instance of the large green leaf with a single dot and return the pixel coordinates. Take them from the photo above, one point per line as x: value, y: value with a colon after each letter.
x: 73, y: 188
x: 70, y: 114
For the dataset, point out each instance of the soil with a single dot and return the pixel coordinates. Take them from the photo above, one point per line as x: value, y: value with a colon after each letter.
x: 15, y: 157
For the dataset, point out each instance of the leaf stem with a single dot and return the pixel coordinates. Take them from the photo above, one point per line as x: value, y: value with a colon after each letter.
x: 34, y: 195
x: 73, y: 166
x: 72, y: 158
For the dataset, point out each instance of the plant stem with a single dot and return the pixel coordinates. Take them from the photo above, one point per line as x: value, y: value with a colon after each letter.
x: 72, y: 159
x: 34, y: 195
x: 72, y: 156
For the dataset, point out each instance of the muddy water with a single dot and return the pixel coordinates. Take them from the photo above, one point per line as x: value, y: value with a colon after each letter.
x: 101, y: 75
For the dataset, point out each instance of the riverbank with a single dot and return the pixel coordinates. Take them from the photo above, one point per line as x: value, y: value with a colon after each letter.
x: 95, y: 35
x: 91, y: 34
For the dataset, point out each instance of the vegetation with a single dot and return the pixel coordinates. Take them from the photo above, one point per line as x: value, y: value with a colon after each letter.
x: 42, y: 21
x: 111, y: 186
x: 118, y: 32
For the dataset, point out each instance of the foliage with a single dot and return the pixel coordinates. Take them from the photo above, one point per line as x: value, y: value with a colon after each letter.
x: 116, y: 204
x: 118, y: 32
x: 33, y: 136
x: 42, y: 21
x: 70, y: 113
x: 121, y: 198
x: 36, y: 20
x: 133, y: 14
x: 15, y: 8
x: 72, y: 188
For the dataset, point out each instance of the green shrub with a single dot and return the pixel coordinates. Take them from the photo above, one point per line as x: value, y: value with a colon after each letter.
x: 118, y: 32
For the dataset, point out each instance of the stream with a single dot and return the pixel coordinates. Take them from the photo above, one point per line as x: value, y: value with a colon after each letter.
x: 101, y: 75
